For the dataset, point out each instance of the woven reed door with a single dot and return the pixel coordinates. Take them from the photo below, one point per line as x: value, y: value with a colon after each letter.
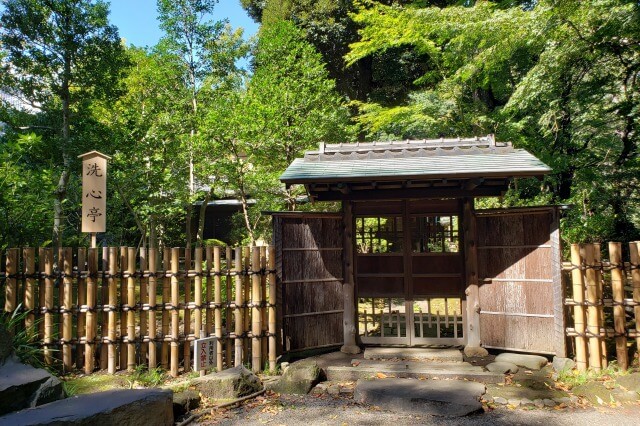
x: 520, y: 295
x: 309, y: 268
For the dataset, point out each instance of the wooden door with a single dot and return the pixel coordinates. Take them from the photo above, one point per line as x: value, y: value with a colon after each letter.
x: 309, y: 268
x: 519, y: 269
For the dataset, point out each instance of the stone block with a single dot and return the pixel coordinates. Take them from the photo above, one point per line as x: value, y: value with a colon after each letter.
x: 502, y: 367
x: 185, y: 401
x: 532, y: 362
x: 300, y: 378
x: 232, y: 383
x: 562, y: 364
x: 23, y: 386
x: 475, y: 351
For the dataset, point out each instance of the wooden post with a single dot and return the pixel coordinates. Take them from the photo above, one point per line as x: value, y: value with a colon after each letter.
x: 29, y: 257
x: 123, y: 301
x: 82, y: 303
x: 208, y: 320
x: 198, y: 298
x: 593, y: 326
x: 89, y: 347
x: 11, y: 290
x: 227, y: 312
x: 48, y: 305
x: 175, y: 300
x: 104, y: 315
x: 41, y: 291
x: 350, y: 330
x: 264, y: 314
x: 187, y: 310
x: 617, y: 284
x: 217, y: 295
x: 578, y: 309
x: 597, y: 257
x: 113, y: 301
x: 144, y: 296
x: 634, y: 250
x: 246, y: 284
x: 472, y: 331
x: 272, y: 310
x: 256, y: 311
x: 166, y: 300
x: 238, y: 312
x: 67, y: 315
x: 153, y: 298
x: 131, y: 313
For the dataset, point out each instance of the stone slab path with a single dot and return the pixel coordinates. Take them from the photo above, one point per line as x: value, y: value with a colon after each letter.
x: 424, y: 354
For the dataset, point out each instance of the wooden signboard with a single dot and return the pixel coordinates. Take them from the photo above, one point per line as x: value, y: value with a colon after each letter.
x: 205, y: 353
x: 94, y: 192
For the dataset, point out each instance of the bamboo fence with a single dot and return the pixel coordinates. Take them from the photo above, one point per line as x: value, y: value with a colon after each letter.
x: 115, y: 308
x: 605, y: 304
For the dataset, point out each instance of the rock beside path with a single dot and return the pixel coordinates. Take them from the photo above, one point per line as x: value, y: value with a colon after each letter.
x: 232, y: 383
x: 6, y: 344
x: 299, y: 378
x: 502, y: 367
x: 563, y: 364
x: 532, y: 362
x: 475, y: 352
x: 23, y: 386
x: 448, y: 398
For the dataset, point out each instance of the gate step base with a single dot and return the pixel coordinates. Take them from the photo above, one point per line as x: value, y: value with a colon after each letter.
x: 430, y: 354
x: 404, y: 370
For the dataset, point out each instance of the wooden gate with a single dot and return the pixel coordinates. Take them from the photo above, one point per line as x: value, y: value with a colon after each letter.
x: 309, y: 268
x: 519, y: 264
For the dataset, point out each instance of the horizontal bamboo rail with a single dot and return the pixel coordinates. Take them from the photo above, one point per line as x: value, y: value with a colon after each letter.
x: 605, y: 303
x: 115, y: 308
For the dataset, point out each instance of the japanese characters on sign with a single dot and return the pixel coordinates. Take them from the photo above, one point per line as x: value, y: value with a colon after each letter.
x: 205, y: 353
x: 94, y: 192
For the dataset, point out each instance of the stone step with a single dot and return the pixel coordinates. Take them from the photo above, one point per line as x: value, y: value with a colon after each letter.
x: 416, y: 372
x: 405, y: 365
x: 432, y: 397
x: 423, y: 354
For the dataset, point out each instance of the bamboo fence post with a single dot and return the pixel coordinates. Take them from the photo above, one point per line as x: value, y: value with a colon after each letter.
x: 239, y: 314
x: 217, y: 294
x: 11, y: 284
x: 634, y: 250
x: 197, y: 297
x: 113, y: 301
x: 175, y: 300
x: 617, y: 284
x: 593, y: 325
x: 67, y: 315
x: 166, y: 300
x: 48, y: 305
x: 28, y: 255
x: 187, y: 310
x: 208, y: 320
x: 104, y: 316
x: 152, y: 329
x: 246, y: 264
x: 41, y: 286
x: 597, y: 256
x: 131, y: 313
x: 144, y: 297
x: 256, y: 311
x: 272, y: 309
x: 578, y: 308
x: 227, y: 311
x: 123, y: 302
x: 264, y: 314
x: 82, y: 306
x: 89, y: 347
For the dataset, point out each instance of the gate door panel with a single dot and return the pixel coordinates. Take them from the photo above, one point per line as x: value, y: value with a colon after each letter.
x: 520, y: 293
x: 310, y: 274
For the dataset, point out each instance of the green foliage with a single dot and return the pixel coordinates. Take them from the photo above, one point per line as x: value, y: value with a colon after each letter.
x: 26, y: 344
x: 142, y: 376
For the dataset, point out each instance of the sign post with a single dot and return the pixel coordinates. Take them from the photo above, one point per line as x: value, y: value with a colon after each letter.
x: 205, y: 353
x: 94, y: 193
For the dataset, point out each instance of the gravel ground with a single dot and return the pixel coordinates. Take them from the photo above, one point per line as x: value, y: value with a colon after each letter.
x: 342, y: 410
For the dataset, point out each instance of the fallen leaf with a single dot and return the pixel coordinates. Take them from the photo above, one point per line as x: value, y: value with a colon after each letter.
x: 381, y: 376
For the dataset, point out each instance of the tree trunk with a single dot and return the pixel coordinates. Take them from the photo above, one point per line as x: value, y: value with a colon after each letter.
x: 201, y: 219
x: 63, y: 182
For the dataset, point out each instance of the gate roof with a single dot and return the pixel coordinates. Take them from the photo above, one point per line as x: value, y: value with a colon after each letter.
x: 478, y: 166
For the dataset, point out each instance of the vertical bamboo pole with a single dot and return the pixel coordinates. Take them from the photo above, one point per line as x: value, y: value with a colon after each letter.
x: 264, y: 314
x: 89, y: 347
x: 67, y: 315
x: 246, y: 262
x: 28, y: 255
x: 41, y: 291
x: 617, y: 284
x: 131, y: 313
x: 113, y: 301
x: 634, y: 250
x: 238, y: 314
x: 48, y: 305
x: 82, y: 303
x: 104, y: 316
x: 578, y: 309
x: 144, y: 297
x: 11, y: 284
x: 593, y: 326
x: 175, y: 300
x: 153, y: 350
x: 197, y: 297
x: 227, y: 311
x: 187, y: 310
x: 597, y: 257
x: 123, y: 301
x: 208, y: 320
x: 217, y: 294
x: 166, y: 300
x: 272, y: 309
x: 256, y: 311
